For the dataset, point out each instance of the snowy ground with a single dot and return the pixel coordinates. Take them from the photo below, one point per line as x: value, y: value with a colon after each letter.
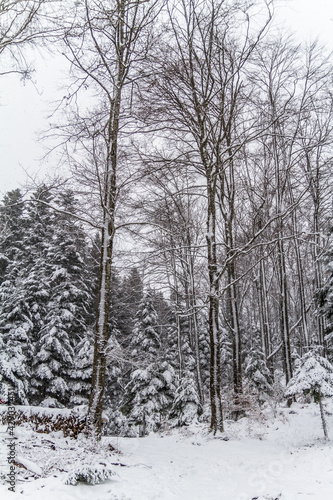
x: 283, y: 458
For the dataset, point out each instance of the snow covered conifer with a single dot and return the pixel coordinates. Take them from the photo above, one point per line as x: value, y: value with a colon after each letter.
x: 186, y: 405
x: 16, y: 348
x: 131, y: 294
x: 11, y: 230
x: 15, y: 314
x: 80, y: 375
x: 258, y: 374
x: 145, y: 342
x: 325, y: 296
x: 37, y: 238
x: 171, y: 341
x: 70, y: 295
x: 65, y: 320
x: 149, y: 396
x: 314, y: 376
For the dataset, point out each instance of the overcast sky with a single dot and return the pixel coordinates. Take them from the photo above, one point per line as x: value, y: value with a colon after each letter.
x: 24, y: 107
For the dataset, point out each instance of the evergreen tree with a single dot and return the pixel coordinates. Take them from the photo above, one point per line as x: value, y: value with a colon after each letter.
x: 257, y: 373
x: 149, y: 397
x: 325, y: 296
x: 80, y: 376
x: 314, y: 376
x: 186, y: 405
x: 131, y: 293
x: 12, y: 228
x: 15, y: 314
x: 65, y: 322
x: 115, y: 374
x: 171, y: 343
x: 149, y: 394
x: 15, y: 331
x: 204, y: 351
x: 145, y: 342
x: 37, y: 240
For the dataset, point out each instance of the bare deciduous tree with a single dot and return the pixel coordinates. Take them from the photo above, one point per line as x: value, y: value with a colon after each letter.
x: 107, y: 44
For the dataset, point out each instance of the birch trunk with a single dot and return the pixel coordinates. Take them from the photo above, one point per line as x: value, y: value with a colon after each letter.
x: 95, y: 408
x: 216, y: 423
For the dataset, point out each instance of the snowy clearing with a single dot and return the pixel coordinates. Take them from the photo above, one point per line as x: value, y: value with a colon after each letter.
x: 283, y: 458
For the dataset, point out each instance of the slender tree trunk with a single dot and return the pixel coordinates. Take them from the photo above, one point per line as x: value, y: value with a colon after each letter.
x: 266, y: 342
x: 281, y: 164
x: 95, y: 408
x: 227, y: 195
x: 300, y: 275
x: 216, y: 423
x: 284, y: 314
x: 192, y: 302
x: 233, y: 320
x: 196, y: 342
x: 318, y: 282
x: 94, y: 420
x: 101, y: 333
x: 323, y: 418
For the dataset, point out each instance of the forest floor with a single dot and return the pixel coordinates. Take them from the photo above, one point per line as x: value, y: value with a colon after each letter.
x: 264, y: 457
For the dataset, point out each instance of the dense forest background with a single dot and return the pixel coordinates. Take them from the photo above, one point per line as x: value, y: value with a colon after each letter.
x: 185, y: 265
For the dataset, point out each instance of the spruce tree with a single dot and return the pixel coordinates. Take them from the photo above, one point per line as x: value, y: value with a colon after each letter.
x: 314, y: 376
x: 12, y: 228
x: 130, y: 295
x: 149, y: 395
x: 257, y: 374
x: 80, y: 375
x: 325, y: 296
x: 65, y: 322
x: 37, y: 241
x: 145, y: 342
x: 186, y: 405
x: 15, y: 314
x: 15, y: 331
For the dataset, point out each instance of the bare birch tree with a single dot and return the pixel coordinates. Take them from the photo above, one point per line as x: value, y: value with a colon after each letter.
x: 107, y: 44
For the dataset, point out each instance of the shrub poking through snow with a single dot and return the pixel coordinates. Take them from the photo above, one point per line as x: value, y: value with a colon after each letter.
x: 314, y: 376
x: 89, y: 474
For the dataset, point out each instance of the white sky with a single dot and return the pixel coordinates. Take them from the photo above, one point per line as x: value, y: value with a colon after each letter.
x: 24, y: 108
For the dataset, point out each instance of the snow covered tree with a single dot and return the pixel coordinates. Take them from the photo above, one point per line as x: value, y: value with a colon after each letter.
x: 325, y: 296
x: 131, y: 291
x: 259, y: 376
x: 145, y: 342
x: 65, y: 322
x: 70, y: 296
x: 16, y: 347
x: 149, y: 397
x: 116, y: 377
x: 314, y: 376
x: 149, y: 394
x: 11, y: 229
x: 38, y: 236
x: 172, y: 353
x: 15, y: 314
x: 80, y: 374
x: 186, y: 405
